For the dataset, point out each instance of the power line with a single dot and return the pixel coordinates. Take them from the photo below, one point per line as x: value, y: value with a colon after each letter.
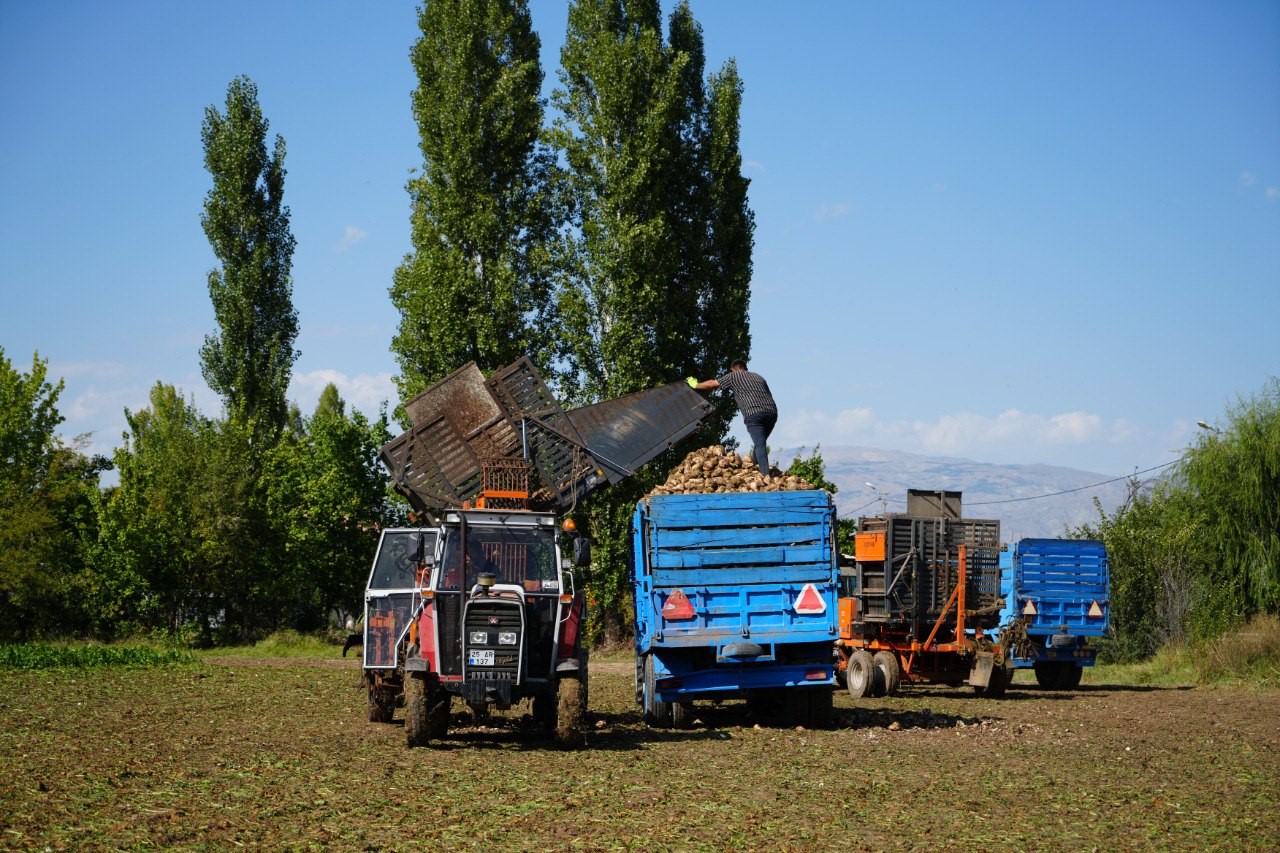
x: 1077, y: 489
x: 1032, y: 497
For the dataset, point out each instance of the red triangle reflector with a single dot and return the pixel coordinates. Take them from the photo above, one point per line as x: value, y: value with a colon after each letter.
x: 1095, y: 610
x: 677, y: 606
x: 810, y: 601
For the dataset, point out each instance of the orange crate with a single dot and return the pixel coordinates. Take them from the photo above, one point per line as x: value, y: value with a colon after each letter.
x: 868, y: 547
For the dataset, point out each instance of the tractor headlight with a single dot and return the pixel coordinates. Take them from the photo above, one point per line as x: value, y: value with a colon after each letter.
x: 479, y: 638
x: 507, y: 638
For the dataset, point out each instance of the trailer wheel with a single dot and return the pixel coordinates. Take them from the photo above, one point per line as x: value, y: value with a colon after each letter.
x: 382, y: 704
x: 416, y: 731
x: 571, y: 696
x: 820, y: 702
x: 1046, y: 673
x: 656, y: 714
x: 861, y: 675
x: 1069, y: 676
x: 889, y: 671
x: 681, y: 715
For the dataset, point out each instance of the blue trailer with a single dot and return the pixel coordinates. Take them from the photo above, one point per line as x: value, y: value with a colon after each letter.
x: 735, y: 597
x: 1056, y: 595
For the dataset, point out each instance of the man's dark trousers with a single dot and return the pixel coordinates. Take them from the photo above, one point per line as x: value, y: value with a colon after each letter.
x: 758, y: 427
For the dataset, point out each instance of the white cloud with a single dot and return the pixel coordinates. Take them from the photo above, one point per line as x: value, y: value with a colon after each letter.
x: 1011, y: 435
x: 350, y: 237
x: 1273, y: 193
x: 832, y: 211
x: 91, y: 369
x: 365, y: 391
x: 1248, y: 179
x: 755, y: 164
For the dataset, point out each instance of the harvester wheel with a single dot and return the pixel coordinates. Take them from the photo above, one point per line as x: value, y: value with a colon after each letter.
x: 656, y: 714
x: 382, y: 704
x: 997, y: 684
x: 570, y: 713
x: 861, y: 674
x: 1069, y: 676
x: 416, y: 730
x: 889, y: 671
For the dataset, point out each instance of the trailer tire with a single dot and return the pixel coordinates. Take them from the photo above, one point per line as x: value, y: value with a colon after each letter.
x: 571, y: 696
x: 820, y: 705
x: 890, y: 673
x: 1046, y: 673
x: 861, y: 675
x: 1069, y: 676
x: 382, y: 704
x: 682, y: 715
x: 416, y: 728
x: 656, y: 714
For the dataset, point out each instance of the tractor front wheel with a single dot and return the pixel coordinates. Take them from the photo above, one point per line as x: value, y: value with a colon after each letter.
x: 571, y: 695
x: 417, y: 730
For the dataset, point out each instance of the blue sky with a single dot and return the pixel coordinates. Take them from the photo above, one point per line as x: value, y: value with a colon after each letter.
x: 1014, y: 232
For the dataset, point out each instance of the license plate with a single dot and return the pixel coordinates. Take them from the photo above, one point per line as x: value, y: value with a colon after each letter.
x: 480, y: 658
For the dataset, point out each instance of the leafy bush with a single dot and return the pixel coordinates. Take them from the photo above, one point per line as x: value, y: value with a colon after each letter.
x: 42, y: 656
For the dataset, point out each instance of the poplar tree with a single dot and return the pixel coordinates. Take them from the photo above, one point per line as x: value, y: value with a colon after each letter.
x: 474, y: 288
x: 249, y: 359
x: 655, y: 284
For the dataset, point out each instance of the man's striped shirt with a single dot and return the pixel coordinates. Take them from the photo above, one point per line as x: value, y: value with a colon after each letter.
x: 750, y: 391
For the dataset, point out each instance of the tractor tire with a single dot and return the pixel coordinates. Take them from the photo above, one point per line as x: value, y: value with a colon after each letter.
x: 862, y: 675
x: 681, y: 715
x: 890, y: 673
x: 1069, y: 676
x: 382, y: 705
x: 571, y: 730
x: 656, y: 714
x: 820, y: 702
x: 545, y: 712
x: 416, y: 725
x: 1046, y: 674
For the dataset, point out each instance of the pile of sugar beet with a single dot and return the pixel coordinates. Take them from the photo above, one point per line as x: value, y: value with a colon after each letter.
x: 715, y: 469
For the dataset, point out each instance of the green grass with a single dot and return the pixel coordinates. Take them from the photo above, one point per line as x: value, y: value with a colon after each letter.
x: 57, y: 656
x: 282, y: 644
x: 1247, y: 657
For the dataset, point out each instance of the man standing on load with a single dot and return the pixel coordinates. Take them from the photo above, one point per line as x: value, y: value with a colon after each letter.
x: 754, y: 400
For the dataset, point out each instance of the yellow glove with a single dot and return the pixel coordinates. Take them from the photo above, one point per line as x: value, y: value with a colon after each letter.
x: 693, y: 383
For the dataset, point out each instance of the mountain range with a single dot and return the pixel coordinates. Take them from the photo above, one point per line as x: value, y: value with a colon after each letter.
x: 1027, y: 499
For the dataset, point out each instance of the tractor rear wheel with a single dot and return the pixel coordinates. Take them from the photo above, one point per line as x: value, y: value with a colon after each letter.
x: 656, y: 714
x: 571, y: 696
x: 890, y: 672
x: 416, y: 723
x: 861, y: 674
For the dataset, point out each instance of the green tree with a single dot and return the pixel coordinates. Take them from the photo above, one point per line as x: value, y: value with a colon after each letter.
x: 249, y: 360
x: 46, y: 489
x: 329, y: 490
x: 1232, y: 478
x: 654, y: 279
x: 813, y: 470
x: 475, y: 286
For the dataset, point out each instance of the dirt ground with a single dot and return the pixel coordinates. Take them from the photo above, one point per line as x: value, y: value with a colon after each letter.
x: 252, y: 753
